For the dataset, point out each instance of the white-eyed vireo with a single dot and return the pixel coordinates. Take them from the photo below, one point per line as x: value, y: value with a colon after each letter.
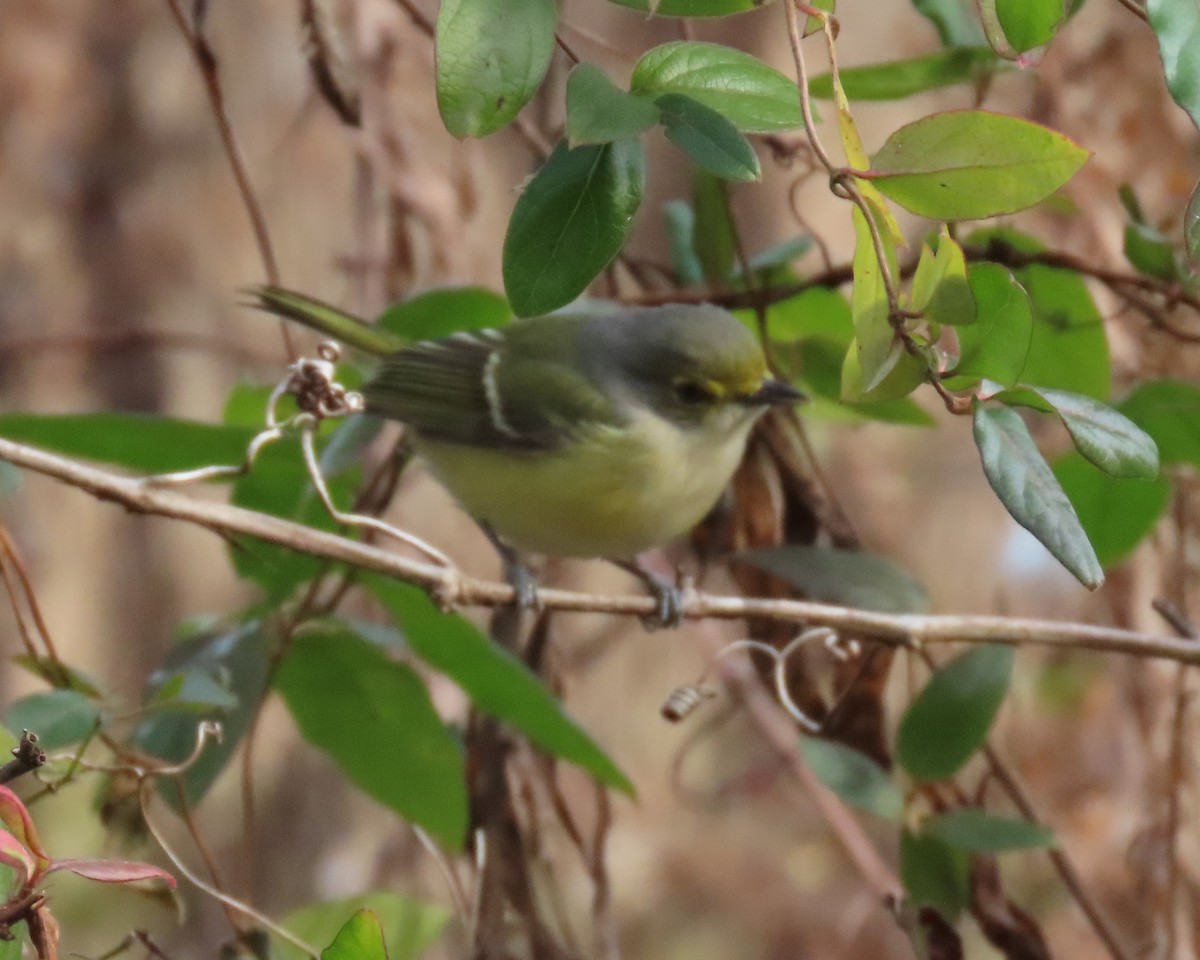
x: 576, y: 434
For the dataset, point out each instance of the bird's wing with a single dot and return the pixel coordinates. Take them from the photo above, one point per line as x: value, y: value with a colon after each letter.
x: 470, y: 389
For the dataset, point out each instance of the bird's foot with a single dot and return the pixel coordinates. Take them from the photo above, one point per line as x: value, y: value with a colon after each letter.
x: 667, y: 593
x: 524, y: 583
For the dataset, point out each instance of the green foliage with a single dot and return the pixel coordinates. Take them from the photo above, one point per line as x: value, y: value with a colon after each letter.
x: 934, y: 873
x: 854, y: 777
x: 1106, y: 438
x: 439, y: 313
x: 710, y: 141
x: 955, y: 21
x: 147, y: 444
x: 491, y: 57
x: 753, y: 97
x: 940, y: 290
x: 374, y: 718
x: 1031, y: 494
x: 496, y: 681
x: 904, y: 78
x: 972, y: 164
x: 409, y: 927
x: 981, y: 832
x: 1029, y: 23
x: 1176, y: 23
x: 874, y: 338
x: 219, y: 675
x: 600, y: 112
x: 1169, y: 411
x: 60, y: 718
x: 1116, y: 514
x: 570, y: 222
x: 951, y: 717
x: 996, y: 346
x: 360, y: 939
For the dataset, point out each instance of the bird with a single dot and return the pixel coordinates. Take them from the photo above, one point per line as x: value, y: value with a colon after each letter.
x: 595, y: 433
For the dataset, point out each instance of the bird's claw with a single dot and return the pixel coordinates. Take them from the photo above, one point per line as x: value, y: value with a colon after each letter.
x: 668, y: 597
x: 524, y: 584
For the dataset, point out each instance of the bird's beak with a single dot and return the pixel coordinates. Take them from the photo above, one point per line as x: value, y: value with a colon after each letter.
x: 773, y: 393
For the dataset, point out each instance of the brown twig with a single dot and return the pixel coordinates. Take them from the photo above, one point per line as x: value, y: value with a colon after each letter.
x: 456, y: 590
x: 1063, y: 865
x: 206, y: 62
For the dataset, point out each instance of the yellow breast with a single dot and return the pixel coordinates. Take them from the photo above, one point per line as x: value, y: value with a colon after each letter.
x: 614, y: 493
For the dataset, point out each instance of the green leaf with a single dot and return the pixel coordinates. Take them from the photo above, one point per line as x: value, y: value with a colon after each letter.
x: 374, y: 718
x: 360, y: 939
x: 1106, y: 438
x: 141, y: 442
x: 570, y: 222
x: 1150, y: 252
x: 778, y: 255
x: 934, y: 873
x: 1027, y: 488
x: 710, y: 141
x: 950, y: 718
x: 844, y: 577
x: 227, y: 671
x: 1029, y: 23
x: 715, y: 233
x: 854, y: 777
x: 60, y: 718
x: 753, y: 97
x: 1168, y: 410
x: 955, y: 21
x: 905, y: 373
x: 410, y: 927
x: 939, y: 288
x: 972, y: 164
x: 679, y: 221
x: 691, y: 8
x: 1068, y: 349
x: 1191, y: 226
x: 874, y: 337
x: 491, y: 56
x: 600, y: 112
x: 1116, y: 514
x: 978, y: 831
x: 904, y: 78
x: 1176, y: 23
x: 495, y: 680
x: 440, y: 313
x: 996, y: 346
x: 815, y: 313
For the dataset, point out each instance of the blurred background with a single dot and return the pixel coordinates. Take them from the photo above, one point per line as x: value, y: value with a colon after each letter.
x: 123, y: 244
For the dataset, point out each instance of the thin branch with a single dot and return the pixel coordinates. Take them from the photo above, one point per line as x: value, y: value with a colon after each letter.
x: 206, y: 63
x: 453, y: 589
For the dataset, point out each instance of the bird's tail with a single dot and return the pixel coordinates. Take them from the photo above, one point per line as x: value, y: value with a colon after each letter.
x: 326, y: 319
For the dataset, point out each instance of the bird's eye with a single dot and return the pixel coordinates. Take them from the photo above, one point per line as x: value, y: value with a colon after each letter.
x: 693, y: 393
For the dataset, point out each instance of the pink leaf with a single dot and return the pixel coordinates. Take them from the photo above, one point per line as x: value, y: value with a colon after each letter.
x: 13, y: 854
x: 112, y: 871
x: 15, y: 817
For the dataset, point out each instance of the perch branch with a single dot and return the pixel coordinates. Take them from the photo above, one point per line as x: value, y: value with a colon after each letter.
x: 453, y: 589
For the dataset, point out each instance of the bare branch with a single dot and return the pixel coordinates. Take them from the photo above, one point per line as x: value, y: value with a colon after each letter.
x: 454, y: 590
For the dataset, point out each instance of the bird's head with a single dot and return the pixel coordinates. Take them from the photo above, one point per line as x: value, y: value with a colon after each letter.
x: 696, y: 366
